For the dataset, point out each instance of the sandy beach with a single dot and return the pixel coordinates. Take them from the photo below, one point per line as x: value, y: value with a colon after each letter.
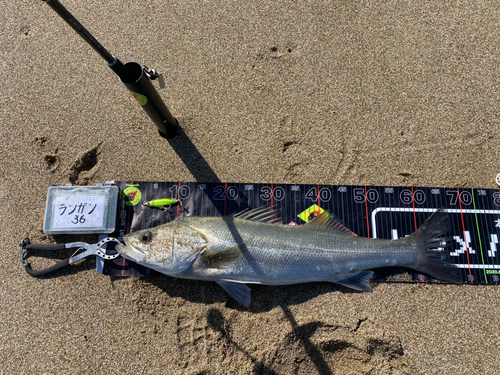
x: 371, y: 93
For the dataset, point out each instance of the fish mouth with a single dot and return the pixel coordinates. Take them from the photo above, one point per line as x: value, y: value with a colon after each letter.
x: 131, y: 252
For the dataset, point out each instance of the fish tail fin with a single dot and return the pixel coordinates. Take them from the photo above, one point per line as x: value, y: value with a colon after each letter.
x: 433, y: 259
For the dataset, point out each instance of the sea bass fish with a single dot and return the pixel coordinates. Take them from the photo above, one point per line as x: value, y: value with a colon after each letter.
x: 251, y: 247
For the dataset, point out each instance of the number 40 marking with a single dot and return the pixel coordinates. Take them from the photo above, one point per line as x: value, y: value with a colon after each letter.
x: 324, y: 194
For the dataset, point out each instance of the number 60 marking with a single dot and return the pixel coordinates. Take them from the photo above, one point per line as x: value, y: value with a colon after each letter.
x: 418, y: 196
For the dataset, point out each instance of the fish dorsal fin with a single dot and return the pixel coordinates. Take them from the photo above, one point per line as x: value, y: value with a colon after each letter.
x: 269, y: 215
x: 326, y: 220
x: 222, y: 258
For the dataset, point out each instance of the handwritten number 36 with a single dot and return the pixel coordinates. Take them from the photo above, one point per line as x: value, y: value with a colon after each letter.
x: 78, y: 219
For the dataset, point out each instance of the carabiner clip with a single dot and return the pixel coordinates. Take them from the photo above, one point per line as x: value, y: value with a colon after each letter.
x: 150, y: 73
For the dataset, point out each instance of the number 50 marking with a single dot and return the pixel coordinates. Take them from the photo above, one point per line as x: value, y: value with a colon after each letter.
x: 371, y: 195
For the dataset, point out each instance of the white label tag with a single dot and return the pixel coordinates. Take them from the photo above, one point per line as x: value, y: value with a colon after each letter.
x: 78, y: 211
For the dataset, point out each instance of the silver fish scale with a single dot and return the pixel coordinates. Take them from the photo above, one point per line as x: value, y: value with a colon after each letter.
x: 281, y: 254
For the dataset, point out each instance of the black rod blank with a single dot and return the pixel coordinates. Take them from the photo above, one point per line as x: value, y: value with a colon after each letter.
x: 134, y: 80
x: 82, y: 31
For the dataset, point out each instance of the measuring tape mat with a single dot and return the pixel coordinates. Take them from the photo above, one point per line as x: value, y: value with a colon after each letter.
x: 368, y: 211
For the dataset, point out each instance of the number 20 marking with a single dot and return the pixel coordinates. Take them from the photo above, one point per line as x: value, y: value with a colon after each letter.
x: 220, y: 193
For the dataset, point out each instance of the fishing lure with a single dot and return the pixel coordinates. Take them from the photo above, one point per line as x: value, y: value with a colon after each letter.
x: 163, y: 203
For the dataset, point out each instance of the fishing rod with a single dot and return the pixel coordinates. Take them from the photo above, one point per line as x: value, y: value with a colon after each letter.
x: 136, y: 78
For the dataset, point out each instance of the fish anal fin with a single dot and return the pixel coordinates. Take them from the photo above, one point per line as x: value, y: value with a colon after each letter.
x: 358, y: 281
x: 223, y: 258
x: 329, y: 221
x: 239, y: 291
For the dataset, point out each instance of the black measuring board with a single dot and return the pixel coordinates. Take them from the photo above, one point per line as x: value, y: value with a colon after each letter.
x: 369, y: 211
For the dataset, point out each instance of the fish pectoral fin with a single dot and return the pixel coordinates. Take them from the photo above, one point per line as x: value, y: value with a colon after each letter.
x: 222, y: 258
x: 239, y: 291
x: 179, y: 265
x: 358, y: 281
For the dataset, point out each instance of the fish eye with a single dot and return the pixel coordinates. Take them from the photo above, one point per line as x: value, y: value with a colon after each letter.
x: 147, y: 237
